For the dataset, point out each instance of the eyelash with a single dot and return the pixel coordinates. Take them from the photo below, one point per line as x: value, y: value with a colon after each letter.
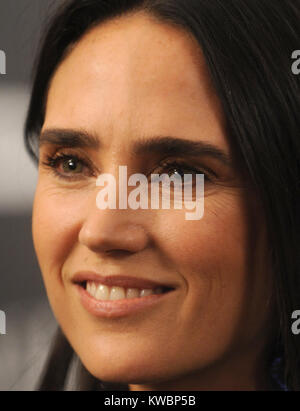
x: 177, y: 164
x: 53, y: 162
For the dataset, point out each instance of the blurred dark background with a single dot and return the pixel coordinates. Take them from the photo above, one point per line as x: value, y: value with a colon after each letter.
x: 29, y: 321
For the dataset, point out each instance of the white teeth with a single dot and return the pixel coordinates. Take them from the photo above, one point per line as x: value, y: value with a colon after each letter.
x: 146, y: 292
x: 117, y: 293
x: 132, y: 293
x: 103, y: 292
x: 93, y: 289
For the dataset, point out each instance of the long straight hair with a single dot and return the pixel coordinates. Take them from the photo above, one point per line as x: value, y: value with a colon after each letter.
x: 247, y: 45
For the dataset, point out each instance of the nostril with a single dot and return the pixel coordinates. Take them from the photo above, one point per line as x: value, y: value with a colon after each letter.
x: 118, y: 253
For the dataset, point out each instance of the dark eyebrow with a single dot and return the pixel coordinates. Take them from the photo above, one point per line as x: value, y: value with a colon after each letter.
x: 175, y: 146
x: 160, y: 145
x: 69, y: 138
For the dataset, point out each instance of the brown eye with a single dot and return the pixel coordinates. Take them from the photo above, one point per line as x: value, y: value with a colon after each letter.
x: 72, y: 165
x: 180, y: 170
x: 68, y: 166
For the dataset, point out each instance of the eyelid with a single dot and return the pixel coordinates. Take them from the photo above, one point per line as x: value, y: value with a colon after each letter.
x: 67, y: 151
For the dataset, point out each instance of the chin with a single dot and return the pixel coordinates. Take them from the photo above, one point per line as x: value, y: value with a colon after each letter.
x: 124, y: 368
x: 125, y: 374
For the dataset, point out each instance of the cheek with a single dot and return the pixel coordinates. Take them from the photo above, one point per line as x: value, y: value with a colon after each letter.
x: 220, y: 238
x: 212, y: 255
x: 55, y: 225
x: 56, y: 222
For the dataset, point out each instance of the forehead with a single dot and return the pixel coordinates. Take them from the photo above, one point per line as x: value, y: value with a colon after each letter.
x: 132, y: 75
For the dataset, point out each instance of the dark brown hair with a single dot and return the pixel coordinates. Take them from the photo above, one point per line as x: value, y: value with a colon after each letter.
x: 247, y: 45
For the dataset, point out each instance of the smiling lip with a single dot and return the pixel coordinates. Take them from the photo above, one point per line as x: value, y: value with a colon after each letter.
x: 122, y: 307
x: 118, y: 280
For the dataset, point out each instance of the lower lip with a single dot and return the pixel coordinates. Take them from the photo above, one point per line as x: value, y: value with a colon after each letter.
x: 117, y: 308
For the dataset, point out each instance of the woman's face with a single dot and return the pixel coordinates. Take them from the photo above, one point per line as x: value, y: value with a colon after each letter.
x: 126, y: 85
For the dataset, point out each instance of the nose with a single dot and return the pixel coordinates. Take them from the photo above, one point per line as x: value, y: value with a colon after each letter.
x: 107, y: 231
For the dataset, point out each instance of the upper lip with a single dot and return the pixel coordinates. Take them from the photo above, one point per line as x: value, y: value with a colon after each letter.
x: 124, y: 281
